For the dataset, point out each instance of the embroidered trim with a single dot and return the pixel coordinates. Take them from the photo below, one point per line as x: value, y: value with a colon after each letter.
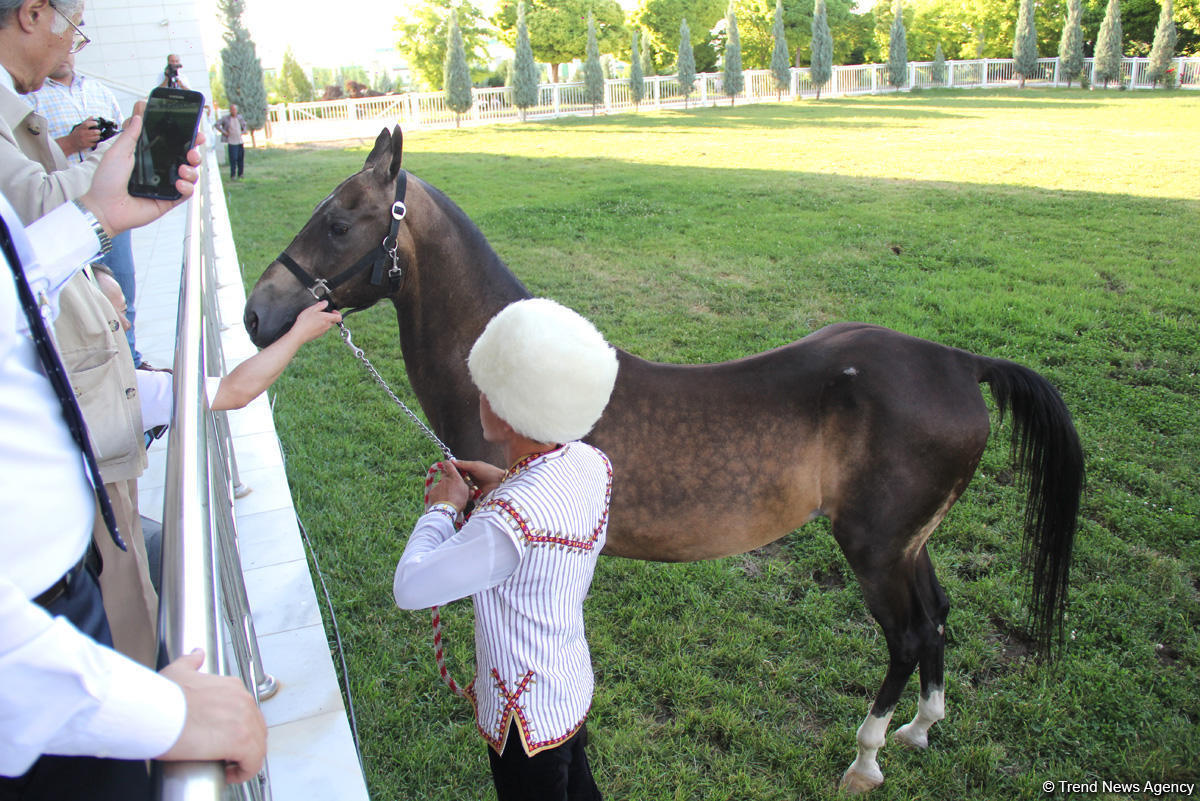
x: 444, y: 508
x: 523, y: 464
x: 512, y: 709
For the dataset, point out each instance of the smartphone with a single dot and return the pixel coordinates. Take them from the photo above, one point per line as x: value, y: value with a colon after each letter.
x: 169, y: 128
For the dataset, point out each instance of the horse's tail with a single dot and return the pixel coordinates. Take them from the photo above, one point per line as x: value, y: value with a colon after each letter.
x: 1046, y: 448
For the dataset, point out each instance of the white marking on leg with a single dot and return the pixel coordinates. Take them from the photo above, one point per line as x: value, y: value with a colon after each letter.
x: 864, y: 773
x: 930, y: 710
x: 851, y: 371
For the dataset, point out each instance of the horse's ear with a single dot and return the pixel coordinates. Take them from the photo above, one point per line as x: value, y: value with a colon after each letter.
x: 388, y: 166
x: 382, y: 146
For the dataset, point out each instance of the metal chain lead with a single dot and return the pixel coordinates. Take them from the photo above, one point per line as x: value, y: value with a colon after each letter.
x: 358, y: 352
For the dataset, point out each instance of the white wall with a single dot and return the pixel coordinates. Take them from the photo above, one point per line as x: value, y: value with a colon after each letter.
x: 131, y: 40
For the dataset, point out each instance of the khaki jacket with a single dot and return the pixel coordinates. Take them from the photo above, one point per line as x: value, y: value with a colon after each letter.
x: 35, y: 176
x: 96, y: 354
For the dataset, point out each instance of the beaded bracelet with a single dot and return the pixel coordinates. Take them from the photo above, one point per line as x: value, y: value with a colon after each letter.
x: 447, y: 509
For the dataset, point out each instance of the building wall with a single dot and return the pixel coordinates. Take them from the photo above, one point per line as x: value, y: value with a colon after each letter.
x: 131, y: 40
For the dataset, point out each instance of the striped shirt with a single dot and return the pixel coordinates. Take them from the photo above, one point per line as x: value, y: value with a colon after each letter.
x: 66, y: 105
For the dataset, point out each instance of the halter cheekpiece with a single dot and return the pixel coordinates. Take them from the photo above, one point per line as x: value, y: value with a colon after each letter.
x: 376, y: 259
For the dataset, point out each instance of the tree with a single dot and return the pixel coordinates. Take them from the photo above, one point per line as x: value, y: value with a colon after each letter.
x: 898, y: 51
x: 558, y: 28
x: 685, y: 63
x: 1107, y: 64
x: 422, y: 37
x: 456, y: 76
x: 781, y: 65
x: 659, y: 21
x: 637, y: 82
x: 593, y: 72
x: 241, y: 71
x: 647, y: 59
x: 937, y: 74
x: 821, y: 69
x: 525, y: 72
x: 218, y: 87
x: 1025, y: 52
x: 732, y: 76
x: 294, y: 85
x: 1070, y: 47
x: 1164, y: 44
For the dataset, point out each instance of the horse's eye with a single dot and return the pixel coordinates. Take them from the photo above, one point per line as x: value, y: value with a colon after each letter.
x: 339, y: 228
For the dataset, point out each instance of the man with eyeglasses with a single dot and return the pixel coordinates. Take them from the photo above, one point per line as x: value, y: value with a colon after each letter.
x: 35, y: 37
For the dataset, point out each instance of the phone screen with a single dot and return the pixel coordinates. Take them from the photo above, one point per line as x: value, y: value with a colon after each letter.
x: 168, y: 132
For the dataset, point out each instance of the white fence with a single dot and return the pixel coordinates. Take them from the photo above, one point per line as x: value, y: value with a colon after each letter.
x: 363, y: 118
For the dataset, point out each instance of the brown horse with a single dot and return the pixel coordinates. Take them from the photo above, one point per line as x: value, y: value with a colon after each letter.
x: 878, y: 431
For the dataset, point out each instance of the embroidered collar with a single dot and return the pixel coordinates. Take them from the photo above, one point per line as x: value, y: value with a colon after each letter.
x: 525, y: 462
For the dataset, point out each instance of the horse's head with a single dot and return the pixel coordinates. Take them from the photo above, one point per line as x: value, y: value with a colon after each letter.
x: 352, y: 251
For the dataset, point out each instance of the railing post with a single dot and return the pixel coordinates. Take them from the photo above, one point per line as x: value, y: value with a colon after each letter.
x: 557, y: 95
x: 984, y: 79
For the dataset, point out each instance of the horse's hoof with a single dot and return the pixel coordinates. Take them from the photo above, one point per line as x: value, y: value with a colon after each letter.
x: 854, y: 782
x: 912, y: 736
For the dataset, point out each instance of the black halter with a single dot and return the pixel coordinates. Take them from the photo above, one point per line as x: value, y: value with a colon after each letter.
x: 376, y: 259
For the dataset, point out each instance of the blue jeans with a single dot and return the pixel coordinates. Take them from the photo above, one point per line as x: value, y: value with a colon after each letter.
x: 120, y: 261
x: 237, y: 160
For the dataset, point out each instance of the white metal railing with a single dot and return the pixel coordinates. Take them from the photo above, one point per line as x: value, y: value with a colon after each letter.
x: 363, y: 117
x: 203, y: 598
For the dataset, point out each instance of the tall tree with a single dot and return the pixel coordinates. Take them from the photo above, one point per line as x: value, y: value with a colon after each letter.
x: 241, y: 70
x: 647, y: 59
x: 525, y: 72
x: 422, y: 37
x: 593, y: 72
x: 898, y: 50
x: 937, y: 74
x: 1164, y: 44
x: 456, y: 75
x: 781, y: 62
x: 558, y: 28
x: 1109, y: 51
x: 1070, y: 47
x: 822, y: 47
x: 637, y: 82
x: 685, y: 63
x: 659, y: 21
x: 1025, y: 50
x: 294, y: 84
x: 732, y: 76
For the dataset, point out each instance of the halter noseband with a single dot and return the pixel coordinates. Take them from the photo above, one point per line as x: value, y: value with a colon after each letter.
x: 376, y: 259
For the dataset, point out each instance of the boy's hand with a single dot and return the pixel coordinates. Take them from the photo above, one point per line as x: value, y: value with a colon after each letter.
x: 314, y: 321
x: 486, y: 476
x: 450, y: 488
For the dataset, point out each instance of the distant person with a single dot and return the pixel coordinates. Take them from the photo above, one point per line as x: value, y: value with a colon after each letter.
x: 82, y: 112
x: 172, y: 75
x: 231, y: 127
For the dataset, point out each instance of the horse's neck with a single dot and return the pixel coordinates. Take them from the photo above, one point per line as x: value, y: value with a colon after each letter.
x: 460, y: 284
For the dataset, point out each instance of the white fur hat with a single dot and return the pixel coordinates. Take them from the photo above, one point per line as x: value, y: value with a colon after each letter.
x: 546, y: 371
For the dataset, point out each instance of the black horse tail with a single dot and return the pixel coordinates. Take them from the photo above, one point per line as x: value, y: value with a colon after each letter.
x: 1046, y: 449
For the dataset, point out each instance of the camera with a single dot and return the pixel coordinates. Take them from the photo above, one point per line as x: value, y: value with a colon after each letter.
x: 108, y: 129
x: 172, y: 71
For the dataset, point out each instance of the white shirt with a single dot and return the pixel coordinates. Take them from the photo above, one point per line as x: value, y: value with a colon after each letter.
x: 60, y: 691
x: 440, y: 566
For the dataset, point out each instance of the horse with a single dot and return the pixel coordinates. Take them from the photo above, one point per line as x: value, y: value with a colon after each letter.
x: 878, y: 431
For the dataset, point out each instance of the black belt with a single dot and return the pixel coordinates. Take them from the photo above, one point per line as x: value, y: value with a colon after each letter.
x: 90, y: 559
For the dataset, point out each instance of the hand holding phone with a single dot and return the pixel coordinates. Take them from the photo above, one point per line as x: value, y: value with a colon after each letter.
x: 168, y: 132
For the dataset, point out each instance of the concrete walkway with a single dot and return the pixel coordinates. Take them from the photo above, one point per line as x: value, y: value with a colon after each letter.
x: 310, y: 749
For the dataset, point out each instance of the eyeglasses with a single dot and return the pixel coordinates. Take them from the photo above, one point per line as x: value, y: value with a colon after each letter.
x: 80, y: 39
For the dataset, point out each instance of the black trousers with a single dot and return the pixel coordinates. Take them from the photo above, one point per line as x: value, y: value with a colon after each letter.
x: 237, y: 159
x: 561, y: 773
x: 59, y: 778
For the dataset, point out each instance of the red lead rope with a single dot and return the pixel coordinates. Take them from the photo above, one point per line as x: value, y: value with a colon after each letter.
x: 435, y: 615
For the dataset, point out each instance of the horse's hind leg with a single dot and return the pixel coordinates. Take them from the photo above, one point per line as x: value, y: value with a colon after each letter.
x: 931, y: 706
x: 898, y: 596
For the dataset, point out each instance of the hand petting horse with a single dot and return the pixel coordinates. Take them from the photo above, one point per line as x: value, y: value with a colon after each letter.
x: 878, y: 431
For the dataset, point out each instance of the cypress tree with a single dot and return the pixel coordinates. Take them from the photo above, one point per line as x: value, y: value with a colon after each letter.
x: 734, y: 80
x: 637, y: 83
x: 1025, y: 51
x: 525, y: 71
x: 241, y: 71
x: 294, y: 85
x: 456, y: 77
x: 1107, y: 64
x: 685, y: 64
x: 1070, y: 47
x: 593, y: 72
x: 647, y: 61
x: 822, y: 47
x: 898, y: 50
x: 781, y: 65
x: 1163, y: 49
x: 938, y: 73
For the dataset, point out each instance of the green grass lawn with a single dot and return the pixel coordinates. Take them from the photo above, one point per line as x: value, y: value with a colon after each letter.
x: 1060, y: 229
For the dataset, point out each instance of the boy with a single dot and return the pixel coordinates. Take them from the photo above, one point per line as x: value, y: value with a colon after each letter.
x: 529, y: 551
